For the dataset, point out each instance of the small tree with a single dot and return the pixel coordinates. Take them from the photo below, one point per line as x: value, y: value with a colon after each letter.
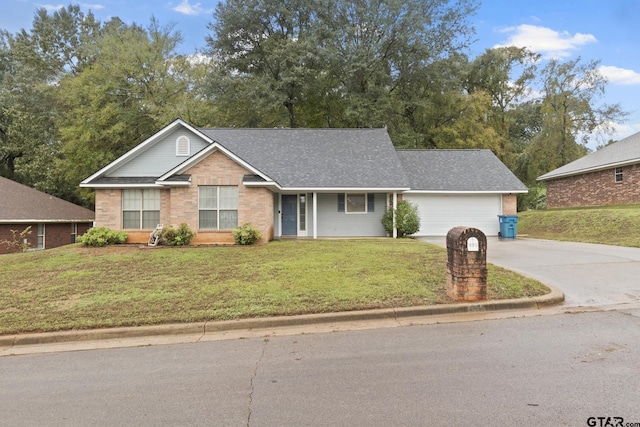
x: 18, y: 241
x: 407, y: 219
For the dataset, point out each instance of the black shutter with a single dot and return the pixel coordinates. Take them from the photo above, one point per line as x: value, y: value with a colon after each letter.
x: 370, y: 202
x: 340, y: 202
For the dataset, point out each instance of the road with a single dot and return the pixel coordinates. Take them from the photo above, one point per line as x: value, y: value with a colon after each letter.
x: 532, y: 371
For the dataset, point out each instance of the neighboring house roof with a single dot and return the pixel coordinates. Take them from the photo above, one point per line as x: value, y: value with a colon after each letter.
x: 21, y: 203
x: 620, y: 153
x: 468, y: 170
x: 319, y: 160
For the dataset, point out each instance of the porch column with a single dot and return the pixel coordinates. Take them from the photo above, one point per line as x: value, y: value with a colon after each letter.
x: 279, y: 219
x: 395, y: 206
x: 315, y: 215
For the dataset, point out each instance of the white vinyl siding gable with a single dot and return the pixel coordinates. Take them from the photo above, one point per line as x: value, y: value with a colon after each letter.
x: 183, y: 146
x: 161, y: 157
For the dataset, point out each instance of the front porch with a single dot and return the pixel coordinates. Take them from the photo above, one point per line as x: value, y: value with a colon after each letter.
x: 340, y: 214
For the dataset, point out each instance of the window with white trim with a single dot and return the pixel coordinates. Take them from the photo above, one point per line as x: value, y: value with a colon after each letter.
x: 140, y: 208
x: 356, y: 202
x: 217, y: 207
x: 618, y: 174
x: 74, y: 231
x: 303, y: 212
x: 41, y: 228
x: 183, y: 146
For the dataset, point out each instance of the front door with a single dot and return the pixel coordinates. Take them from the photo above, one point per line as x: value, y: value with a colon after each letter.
x: 289, y: 215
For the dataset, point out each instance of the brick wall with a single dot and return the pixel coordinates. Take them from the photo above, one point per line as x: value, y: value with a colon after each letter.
x: 56, y: 234
x: 509, y: 204
x: 180, y: 204
x: 109, y: 208
x: 595, y: 189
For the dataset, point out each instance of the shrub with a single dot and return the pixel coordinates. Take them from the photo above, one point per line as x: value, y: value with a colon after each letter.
x: 246, y: 235
x: 18, y: 241
x: 407, y: 219
x: 102, y: 236
x: 176, y: 237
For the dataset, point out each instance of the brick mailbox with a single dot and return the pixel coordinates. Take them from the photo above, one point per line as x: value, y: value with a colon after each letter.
x: 467, y: 264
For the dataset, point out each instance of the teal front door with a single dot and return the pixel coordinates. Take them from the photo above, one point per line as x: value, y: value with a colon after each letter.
x: 289, y: 215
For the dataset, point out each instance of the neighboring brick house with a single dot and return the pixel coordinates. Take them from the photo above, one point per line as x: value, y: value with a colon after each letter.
x: 609, y: 176
x: 295, y: 182
x: 54, y: 222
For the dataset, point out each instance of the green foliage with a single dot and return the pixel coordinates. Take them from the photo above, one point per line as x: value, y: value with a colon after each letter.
x: 246, y: 235
x: 77, y: 93
x: 407, y: 219
x: 102, y: 236
x: 18, y: 241
x: 176, y: 237
x: 535, y: 199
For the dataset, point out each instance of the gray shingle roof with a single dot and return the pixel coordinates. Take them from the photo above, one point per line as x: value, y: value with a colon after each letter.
x: 21, y: 203
x: 624, y: 152
x: 317, y: 158
x: 458, y: 170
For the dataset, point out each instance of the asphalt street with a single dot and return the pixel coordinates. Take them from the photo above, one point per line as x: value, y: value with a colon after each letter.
x: 558, y: 370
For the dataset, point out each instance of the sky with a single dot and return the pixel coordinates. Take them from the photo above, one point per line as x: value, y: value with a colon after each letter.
x: 606, y: 31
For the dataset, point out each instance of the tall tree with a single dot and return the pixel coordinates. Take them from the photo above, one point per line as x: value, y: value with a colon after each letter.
x: 267, y: 46
x: 32, y: 63
x: 332, y: 63
x: 133, y: 85
x: 378, y: 47
x: 570, y: 114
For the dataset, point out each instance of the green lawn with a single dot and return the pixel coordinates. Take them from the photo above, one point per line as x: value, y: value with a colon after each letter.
x: 614, y: 225
x: 77, y: 287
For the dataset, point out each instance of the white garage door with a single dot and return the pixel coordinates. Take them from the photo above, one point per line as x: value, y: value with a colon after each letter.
x: 440, y: 213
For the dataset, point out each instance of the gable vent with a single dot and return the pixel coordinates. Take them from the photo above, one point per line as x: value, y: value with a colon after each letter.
x: 183, y: 146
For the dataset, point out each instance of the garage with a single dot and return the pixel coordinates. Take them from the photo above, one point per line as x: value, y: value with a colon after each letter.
x: 439, y: 213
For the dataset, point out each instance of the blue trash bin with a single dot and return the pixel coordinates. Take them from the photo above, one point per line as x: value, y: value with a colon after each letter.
x: 508, y: 226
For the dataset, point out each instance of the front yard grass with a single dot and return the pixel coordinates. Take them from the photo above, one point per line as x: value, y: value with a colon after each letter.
x: 76, y: 287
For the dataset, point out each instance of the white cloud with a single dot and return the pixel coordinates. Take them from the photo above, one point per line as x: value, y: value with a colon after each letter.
x: 50, y: 7
x: 543, y: 40
x: 191, y: 9
x: 620, y: 76
x: 94, y: 6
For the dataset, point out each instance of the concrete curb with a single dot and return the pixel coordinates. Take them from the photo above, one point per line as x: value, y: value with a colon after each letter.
x: 202, y: 328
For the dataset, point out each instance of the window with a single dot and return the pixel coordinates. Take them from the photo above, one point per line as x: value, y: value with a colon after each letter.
x: 74, y: 232
x: 303, y: 212
x: 618, y: 174
x: 140, y: 208
x: 183, y: 146
x: 356, y: 202
x: 40, y: 236
x: 217, y: 207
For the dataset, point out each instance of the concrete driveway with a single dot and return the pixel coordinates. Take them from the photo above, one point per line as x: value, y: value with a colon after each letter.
x: 588, y: 274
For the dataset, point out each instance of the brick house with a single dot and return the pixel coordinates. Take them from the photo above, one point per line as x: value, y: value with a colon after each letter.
x: 609, y: 176
x: 54, y: 222
x: 295, y: 182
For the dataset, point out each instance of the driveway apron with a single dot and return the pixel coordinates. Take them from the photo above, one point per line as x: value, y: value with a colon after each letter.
x: 588, y: 274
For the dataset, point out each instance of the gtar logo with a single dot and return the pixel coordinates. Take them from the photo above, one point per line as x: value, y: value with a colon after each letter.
x: 605, y: 422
